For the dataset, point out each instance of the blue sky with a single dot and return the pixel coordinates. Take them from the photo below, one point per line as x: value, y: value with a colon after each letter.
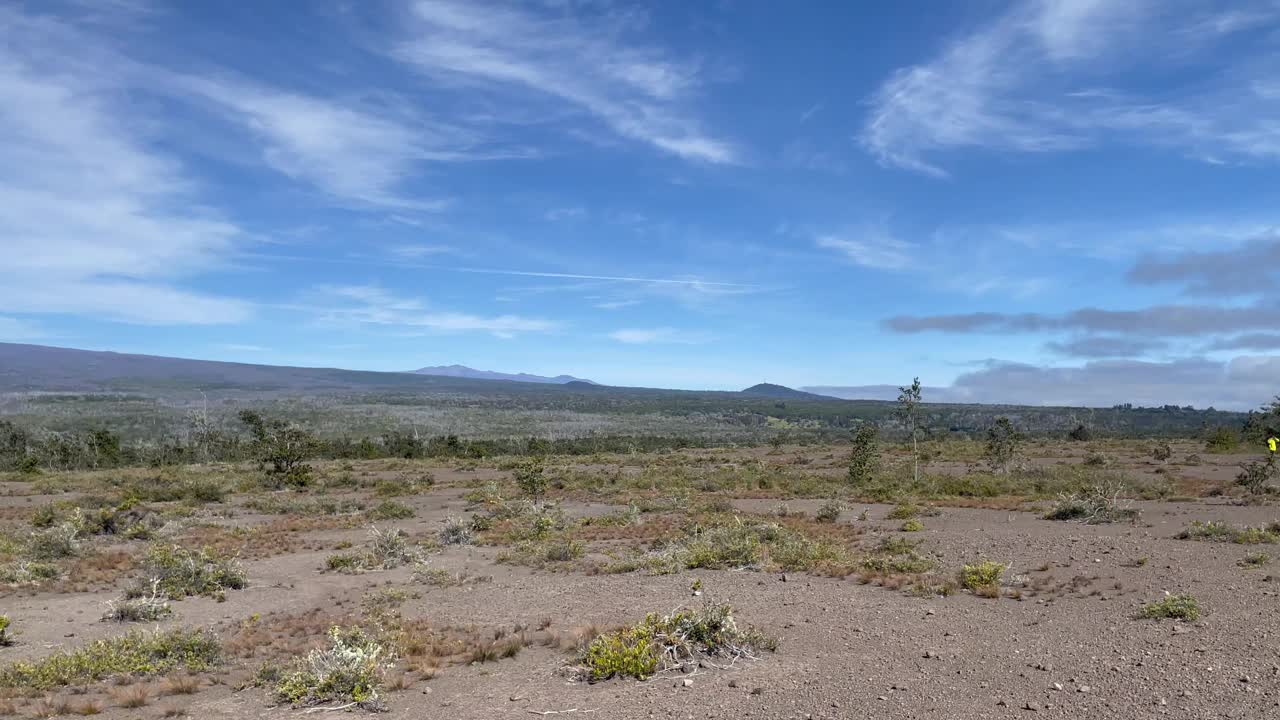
x: 1066, y: 201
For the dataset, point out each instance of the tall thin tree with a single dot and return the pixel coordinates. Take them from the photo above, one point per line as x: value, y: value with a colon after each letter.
x: 909, y: 408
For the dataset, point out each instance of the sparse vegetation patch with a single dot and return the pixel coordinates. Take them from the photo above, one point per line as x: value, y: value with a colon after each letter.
x: 136, y: 653
x: 1172, y: 607
x: 662, y: 643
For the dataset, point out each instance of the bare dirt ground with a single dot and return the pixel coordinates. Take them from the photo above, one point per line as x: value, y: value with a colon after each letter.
x: 1061, y: 638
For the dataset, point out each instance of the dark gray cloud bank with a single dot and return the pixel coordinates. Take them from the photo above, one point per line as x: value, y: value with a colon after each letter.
x: 1239, y: 384
x: 1117, y: 344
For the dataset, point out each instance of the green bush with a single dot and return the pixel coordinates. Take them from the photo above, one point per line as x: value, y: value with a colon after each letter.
x: 144, y: 608
x: 1255, y: 559
x: 28, y: 572
x: 530, y: 478
x: 54, y: 543
x: 985, y: 574
x: 903, y: 511
x: 456, y: 531
x: 1176, y: 607
x: 5, y: 638
x: 829, y: 512
x: 1255, y: 477
x: 1002, y: 444
x: 667, y: 642
x: 344, y: 562
x: 177, y: 572
x: 1222, y: 440
x: 912, y: 525
x: 864, y: 460
x: 136, y: 653
x: 628, y: 652
x: 349, y: 670
x: 1214, y: 531
x: 385, y: 550
x: 389, y: 510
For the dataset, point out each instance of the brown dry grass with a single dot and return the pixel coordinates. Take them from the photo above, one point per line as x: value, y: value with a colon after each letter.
x: 134, y: 696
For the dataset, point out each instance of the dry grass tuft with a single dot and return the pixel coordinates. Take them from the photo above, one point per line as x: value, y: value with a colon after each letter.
x: 134, y: 696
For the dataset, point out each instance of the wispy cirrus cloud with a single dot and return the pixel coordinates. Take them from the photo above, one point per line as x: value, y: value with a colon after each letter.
x: 584, y: 59
x: 361, y: 150
x: 375, y: 305
x: 1049, y: 76
x: 872, y: 248
x: 659, y: 335
x: 96, y: 220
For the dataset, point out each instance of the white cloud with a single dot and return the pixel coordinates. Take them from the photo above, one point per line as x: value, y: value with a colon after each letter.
x: 362, y: 150
x: 415, y: 252
x: 871, y: 248
x: 1036, y: 79
x: 95, y: 220
x: 616, y: 304
x: 374, y: 305
x: 144, y: 303
x: 661, y: 335
x: 636, y: 91
x: 568, y: 213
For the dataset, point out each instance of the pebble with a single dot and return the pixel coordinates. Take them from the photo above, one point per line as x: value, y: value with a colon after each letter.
x: 1084, y: 689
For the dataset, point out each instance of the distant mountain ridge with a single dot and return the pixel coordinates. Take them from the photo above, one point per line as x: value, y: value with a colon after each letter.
x: 462, y: 371
x: 781, y: 392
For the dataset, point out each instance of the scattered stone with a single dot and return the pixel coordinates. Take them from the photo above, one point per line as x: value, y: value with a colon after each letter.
x: 1084, y: 689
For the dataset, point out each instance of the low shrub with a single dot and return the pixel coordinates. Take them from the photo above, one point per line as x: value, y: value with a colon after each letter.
x: 1176, y: 607
x: 1099, y: 503
x: 912, y: 525
x: 28, y: 572
x: 5, y: 639
x: 54, y: 543
x: 668, y: 642
x: 983, y: 575
x: 135, y: 653
x: 829, y: 512
x: 177, y: 572
x: 1255, y: 559
x: 385, y: 550
x: 350, y: 670
x: 145, y: 608
x: 904, y: 511
x: 456, y: 531
x: 389, y: 510
x: 1214, y: 531
x: 1255, y: 477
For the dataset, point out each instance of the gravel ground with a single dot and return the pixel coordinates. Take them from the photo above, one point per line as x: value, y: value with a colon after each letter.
x: 1070, y: 647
